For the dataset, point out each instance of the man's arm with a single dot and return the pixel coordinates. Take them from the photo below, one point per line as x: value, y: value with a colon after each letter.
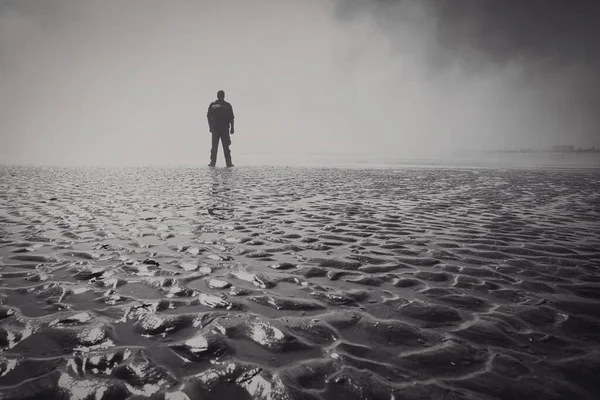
x: 232, y: 120
x: 209, y: 117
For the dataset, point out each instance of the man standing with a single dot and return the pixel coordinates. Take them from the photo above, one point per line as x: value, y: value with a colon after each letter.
x: 220, y: 117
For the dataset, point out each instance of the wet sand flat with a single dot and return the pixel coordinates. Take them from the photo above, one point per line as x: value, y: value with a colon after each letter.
x: 299, y: 283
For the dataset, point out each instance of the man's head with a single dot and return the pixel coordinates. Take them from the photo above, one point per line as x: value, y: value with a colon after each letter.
x: 221, y: 95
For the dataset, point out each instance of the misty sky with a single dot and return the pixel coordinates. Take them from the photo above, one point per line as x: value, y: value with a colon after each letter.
x: 129, y: 81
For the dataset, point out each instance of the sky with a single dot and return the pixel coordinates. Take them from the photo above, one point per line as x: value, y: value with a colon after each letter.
x: 120, y: 82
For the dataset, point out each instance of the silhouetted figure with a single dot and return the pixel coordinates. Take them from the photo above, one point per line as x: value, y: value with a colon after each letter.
x: 220, y: 117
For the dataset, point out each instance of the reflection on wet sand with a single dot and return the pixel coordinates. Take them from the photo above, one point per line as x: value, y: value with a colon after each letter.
x: 222, y: 191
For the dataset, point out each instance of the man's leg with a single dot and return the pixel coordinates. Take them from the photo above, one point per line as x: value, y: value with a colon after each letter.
x: 226, y: 141
x: 214, y: 148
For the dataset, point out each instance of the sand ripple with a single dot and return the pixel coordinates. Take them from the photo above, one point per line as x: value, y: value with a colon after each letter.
x: 283, y: 283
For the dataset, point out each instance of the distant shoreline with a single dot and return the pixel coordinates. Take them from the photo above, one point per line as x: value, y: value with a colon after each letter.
x: 534, y: 159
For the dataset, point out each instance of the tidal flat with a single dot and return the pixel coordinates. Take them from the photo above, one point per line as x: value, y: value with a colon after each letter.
x: 299, y: 283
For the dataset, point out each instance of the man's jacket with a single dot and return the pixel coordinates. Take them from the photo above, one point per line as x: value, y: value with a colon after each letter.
x: 220, y: 115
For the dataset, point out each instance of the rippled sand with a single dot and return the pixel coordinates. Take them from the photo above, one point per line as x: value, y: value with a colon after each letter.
x: 283, y: 283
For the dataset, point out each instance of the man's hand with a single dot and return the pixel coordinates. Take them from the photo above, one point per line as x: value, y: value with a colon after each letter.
x: 232, y: 130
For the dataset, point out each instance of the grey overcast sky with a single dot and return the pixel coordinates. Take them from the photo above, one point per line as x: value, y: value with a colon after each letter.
x: 129, y: 81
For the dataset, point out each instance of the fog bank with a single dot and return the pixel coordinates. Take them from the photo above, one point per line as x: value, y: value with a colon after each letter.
x: 113, y: 83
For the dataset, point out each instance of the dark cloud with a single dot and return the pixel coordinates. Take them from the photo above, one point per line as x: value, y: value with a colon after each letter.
x: 555, y: 31
x: 554, y: 42
x: 555, y: 39
x: 561, y: 31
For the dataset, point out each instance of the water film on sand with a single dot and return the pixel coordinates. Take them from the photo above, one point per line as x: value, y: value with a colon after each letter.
x: 299, y: 283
